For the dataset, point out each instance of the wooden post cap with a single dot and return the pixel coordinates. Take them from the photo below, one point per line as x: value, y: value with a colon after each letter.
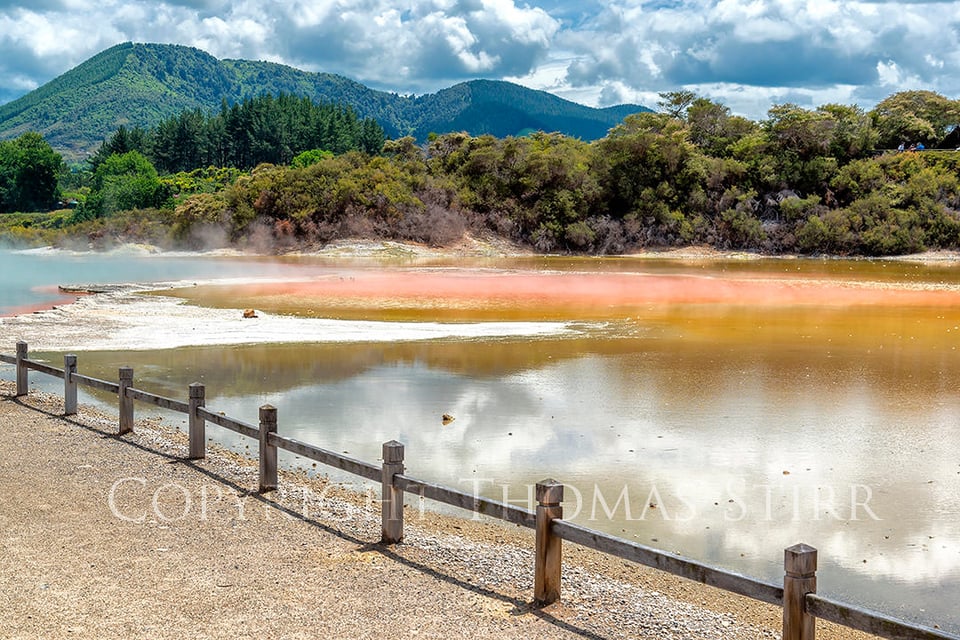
x: 549, y: 492
x: 268, y: 413
x: 392, y: 452
x: 800, y: 561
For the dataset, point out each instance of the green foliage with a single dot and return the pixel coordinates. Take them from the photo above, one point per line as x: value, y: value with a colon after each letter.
x: 795, y: 183
x: 200, y: 220
x: 852, y: 134
x: 793, y: 209
x: 798, y: 142
x: 29, y: 173
x: 121, y: 183
x: 529, y: 188
x: 147, y: 226
x: 742, y: 229
x: 676, y: 103
x: 801, y: 180
x: 258, y: 130
x: 307, y: 158
x: 205, y: 180
x: 827, y: 233
x: 713, y: 129
x: 915, y: 116
x: 122, y: 141
x: 649, y: 171
x: 22, y: 230
x: 350, y: 194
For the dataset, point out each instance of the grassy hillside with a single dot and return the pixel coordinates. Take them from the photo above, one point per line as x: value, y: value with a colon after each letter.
x: 140, y: 84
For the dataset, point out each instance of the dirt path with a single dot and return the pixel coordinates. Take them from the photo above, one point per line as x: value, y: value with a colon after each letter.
x: 103, y: 537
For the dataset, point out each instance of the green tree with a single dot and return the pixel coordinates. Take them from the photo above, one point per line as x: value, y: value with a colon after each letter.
x: 29, y: 172
x: 307, y: 158
x: 649, y: 172
x: 915, y: 116
x: 851, y: 132
x: 799, y: 145
x: 676, y: 103
x: 122, y: 141
x: 713, y: 129
x: 123, y: 182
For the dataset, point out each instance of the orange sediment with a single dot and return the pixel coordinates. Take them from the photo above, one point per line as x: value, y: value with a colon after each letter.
x: 418, y: 289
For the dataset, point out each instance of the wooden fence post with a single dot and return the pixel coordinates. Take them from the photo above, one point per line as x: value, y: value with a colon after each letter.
x: 197, y: 425
x: 126, y: 403
x: 21, y: 368
x: 800, y: 578
x: 69, y: 385
x: 268, y: 452
x: 391, y: 507
x: 546, y: 576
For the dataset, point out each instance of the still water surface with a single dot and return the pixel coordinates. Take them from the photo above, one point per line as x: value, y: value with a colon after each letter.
x: 722, y: 432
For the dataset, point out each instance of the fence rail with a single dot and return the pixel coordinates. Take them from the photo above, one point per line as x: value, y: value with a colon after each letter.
x: 869, y: 621
x: 158, y: 401
x: 96, y: 383
x: 671, y: 563
x: 220, y: 420
x: 44, y: 368
x: 329, y: 458
x: 801, y: 604
x: 470, y: 502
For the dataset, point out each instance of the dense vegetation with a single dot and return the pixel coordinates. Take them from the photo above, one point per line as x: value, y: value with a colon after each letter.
x: 258, y: 130
x: 29, y: 174
x: 142, y: 85
x: 805, y: 181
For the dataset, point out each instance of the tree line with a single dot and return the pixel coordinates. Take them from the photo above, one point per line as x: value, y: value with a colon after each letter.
x: 265, y: 129
x: 826, y: 180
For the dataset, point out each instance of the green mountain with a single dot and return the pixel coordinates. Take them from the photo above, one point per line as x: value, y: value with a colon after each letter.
x: 140, y: 84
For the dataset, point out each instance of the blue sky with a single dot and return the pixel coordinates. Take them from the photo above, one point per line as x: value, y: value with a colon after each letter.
x: 747, y: 54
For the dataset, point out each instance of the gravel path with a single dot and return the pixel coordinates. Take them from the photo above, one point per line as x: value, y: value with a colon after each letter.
x: 107, y: 537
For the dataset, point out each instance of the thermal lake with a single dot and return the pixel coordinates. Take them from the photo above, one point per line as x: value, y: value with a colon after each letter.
x: 723, y: 409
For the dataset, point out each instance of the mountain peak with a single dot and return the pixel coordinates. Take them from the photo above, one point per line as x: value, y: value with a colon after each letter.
x: 140, y: 84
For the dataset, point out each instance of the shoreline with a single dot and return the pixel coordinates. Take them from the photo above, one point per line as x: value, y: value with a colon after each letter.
x: 449, y: 570
x: 474, y: 247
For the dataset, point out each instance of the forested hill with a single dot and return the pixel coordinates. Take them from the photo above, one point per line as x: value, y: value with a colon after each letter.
x: 141, y: 84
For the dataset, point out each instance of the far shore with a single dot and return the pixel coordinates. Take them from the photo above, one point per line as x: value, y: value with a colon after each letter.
x: 470, y: 246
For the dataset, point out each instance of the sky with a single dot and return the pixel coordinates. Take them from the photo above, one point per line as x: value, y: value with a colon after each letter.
x: 745, y: 54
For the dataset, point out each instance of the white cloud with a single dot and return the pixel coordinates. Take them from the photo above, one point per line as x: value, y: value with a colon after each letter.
x: 753, y: 52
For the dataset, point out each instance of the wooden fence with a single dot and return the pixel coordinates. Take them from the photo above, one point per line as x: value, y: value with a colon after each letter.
x: 798, y: 595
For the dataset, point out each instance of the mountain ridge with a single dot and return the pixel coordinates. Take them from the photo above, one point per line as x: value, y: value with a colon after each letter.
x: 140, y: 84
